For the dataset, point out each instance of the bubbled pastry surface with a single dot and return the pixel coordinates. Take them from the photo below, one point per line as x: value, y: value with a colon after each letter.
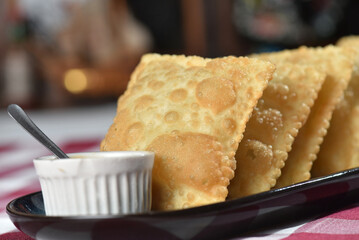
x: 273, y: 126
x: 192, y: 113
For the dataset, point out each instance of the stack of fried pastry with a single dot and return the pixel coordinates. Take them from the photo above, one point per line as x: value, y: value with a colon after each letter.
x: 234, y: 126
x: 340, y: 149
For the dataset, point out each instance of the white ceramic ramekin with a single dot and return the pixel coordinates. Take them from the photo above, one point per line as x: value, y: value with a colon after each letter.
x: 96, y: 183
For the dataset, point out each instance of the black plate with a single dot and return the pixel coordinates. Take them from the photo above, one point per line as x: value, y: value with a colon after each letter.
x: 216, y: 221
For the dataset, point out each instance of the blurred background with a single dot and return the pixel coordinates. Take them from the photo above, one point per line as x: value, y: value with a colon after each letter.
x: 62, y: 53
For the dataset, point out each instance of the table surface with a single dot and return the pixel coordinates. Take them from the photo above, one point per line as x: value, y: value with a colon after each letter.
x: 82, y: 129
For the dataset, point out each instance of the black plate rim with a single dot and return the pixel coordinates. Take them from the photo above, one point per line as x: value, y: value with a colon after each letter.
x: 205, y: 209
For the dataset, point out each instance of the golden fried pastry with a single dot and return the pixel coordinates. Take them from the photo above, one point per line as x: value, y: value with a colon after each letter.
x: 351, y: 42
x: 340, y: 148
x: 192, y: 113
x: 270, y: 132
x: 337, y: 64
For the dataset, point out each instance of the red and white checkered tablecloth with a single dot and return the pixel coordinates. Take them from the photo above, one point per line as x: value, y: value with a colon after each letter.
x: 77, y: 130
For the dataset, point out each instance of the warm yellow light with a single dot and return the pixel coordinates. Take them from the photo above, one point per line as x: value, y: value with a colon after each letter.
x: 75, y: 81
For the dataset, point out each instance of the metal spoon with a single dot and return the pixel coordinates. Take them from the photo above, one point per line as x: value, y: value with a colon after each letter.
x: 24, y: 120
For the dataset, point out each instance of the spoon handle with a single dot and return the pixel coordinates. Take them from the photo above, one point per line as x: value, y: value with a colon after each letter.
x: 23, y: 119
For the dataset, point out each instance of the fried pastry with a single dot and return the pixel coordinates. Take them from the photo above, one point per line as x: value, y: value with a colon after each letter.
x: 340, y: 148
x: 270, y: 132
x: 337, y: 64
x: 192, y: 113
